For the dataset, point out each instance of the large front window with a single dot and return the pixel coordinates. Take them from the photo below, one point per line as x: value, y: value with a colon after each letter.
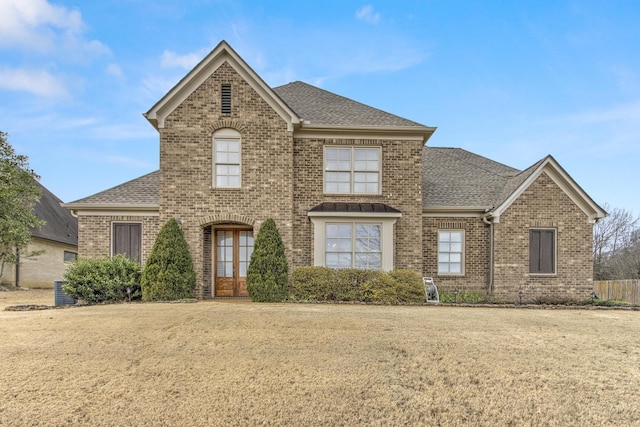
x: 226, y: 154
x: 352, y: 170
x: 353, y: 245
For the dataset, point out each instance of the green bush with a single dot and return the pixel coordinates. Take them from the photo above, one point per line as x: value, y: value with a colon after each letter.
x: 268, y: 271
x: 102, y: 280
x: 350, y: 284
x: 312, y: 284
x: 465, y: 297
x: 169, y: 274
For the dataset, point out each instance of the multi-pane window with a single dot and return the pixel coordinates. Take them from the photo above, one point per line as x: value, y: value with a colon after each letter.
x: 353, y: 245
x: 352, y: 170
x: 227, y: 162
x: 542, y: 251
x: 450, y: 251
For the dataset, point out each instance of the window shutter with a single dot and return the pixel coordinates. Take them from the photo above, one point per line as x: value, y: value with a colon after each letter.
x: 542, y: 251
x: 226, y: 99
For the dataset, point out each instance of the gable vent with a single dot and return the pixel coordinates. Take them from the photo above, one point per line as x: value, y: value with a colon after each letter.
x: 226, y: 99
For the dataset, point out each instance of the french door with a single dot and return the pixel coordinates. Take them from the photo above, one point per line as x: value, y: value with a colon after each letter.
x: 233, y: 249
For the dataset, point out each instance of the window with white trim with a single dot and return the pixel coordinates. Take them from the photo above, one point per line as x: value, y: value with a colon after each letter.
x: 353, y: 245
x: 352, y: 170
x: 450, y: 252
x: 226, y: 158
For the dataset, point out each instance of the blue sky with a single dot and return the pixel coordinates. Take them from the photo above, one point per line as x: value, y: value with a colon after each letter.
x: 509, y: 80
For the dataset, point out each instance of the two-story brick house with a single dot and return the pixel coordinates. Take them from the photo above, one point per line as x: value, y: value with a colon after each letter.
x: 347, y: 185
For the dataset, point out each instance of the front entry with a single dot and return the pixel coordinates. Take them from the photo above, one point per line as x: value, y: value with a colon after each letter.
x: 233, y: 249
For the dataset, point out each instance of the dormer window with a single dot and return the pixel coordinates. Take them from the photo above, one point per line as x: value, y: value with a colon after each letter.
x: 225, y: 98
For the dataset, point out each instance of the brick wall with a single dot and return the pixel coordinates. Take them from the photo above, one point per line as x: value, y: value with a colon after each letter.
x: 94, y: 234
x: 476, y: 253
x: 186, y: 169
x: 401, y: 189
x: 543, y: 205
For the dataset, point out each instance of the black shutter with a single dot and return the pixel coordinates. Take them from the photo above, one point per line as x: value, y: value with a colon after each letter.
x: 226, y: 99
x: 542, y: 251
x: 127, y: 240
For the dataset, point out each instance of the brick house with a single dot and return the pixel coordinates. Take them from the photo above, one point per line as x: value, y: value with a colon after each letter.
x: 347, y: 185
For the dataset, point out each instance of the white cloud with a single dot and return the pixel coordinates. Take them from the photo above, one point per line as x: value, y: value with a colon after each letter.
x: 366, y: 14
x: 115, y: 71
x: 37, y: 82
x: 46, y: 28
x: 187, y: 61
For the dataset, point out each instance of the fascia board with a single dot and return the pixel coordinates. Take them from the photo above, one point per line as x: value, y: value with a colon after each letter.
x: 564, y: 181
x: 418, y: 133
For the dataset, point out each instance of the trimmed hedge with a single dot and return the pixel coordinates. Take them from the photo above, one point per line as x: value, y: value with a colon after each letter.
x: 325, y: 284
x: 103, y: 279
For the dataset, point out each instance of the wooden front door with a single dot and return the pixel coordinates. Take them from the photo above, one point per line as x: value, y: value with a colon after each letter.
x: 233, y: 249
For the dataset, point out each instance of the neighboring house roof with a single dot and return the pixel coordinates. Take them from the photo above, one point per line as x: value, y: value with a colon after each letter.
x: 457, y: 180
x: 320, y: 107
x: 60, y: 225
x: 139, y: 193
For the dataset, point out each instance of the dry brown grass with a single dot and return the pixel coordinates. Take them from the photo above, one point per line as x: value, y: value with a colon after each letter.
x: 238, y: 363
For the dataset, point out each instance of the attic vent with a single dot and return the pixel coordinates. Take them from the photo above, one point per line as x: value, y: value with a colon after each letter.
x: 226, y: 99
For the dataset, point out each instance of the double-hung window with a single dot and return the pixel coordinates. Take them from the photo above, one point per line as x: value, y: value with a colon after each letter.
x: 450, y: 252
x: 227, y: 155
x: 353, y: 245
x: 542, y: 251
x: 352, y: 170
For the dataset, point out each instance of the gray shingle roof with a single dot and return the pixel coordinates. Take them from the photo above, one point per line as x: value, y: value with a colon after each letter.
x: 453, y: 177
x: 60, y: 225
x: 144, y: 190
x: 320, y: 107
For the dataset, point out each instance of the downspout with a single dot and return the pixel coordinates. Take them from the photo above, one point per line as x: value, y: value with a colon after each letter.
x: 485, y: 219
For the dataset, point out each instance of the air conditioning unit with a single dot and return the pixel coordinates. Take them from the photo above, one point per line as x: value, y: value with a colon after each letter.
x: 60, y: 297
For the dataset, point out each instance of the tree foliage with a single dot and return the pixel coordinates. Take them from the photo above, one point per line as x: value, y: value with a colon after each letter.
x: 19, y: 191
x: 268, y: 271
x: 168, y: 274
x: 616, y: 246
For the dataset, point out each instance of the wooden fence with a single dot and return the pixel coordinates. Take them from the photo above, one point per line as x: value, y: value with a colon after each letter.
x: 622, y: 290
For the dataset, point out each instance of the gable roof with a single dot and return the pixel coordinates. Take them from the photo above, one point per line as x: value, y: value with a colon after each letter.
x: 454, y: 178
x: 457, y: 180
x: 222, y: 53
x: 141, y: 193
x: 60, y: 225
x: 317, y: 106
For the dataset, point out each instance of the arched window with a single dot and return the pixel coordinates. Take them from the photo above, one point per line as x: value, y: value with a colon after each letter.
x: 227, y: 158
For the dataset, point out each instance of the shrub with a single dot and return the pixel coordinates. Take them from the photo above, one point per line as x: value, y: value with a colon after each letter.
x: 465, y: 297
x: 102, y: 279
x: 325, y: 284
x: 169, y: 274
x: 267, y: 274
x: 351, y: 284
x: 312, y: 284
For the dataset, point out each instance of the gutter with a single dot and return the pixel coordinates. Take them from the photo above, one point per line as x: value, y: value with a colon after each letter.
x: 486, y: 220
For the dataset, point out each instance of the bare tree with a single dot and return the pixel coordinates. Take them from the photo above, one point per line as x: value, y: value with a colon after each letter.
x: 615, y: 243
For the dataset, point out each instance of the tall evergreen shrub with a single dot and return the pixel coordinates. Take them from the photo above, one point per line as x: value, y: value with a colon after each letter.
x: 169, y: 274
x: 268, y: 270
